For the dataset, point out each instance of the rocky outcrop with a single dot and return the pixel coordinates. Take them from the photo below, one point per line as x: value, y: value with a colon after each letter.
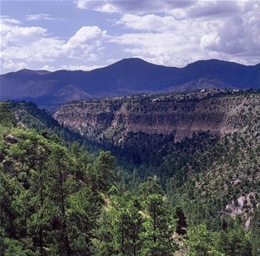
x: 10, y: 139
x: 242, y: 207
x: 112, y: 119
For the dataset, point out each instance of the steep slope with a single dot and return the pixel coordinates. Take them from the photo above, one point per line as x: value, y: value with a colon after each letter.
x: 225, y: 179
x: 128, y: 76
x: 48, y: 190
x: 114, y: 118
x: 208, y: 142
x: 208, y: 178
x: 204, y: 146
x: 29, y: 116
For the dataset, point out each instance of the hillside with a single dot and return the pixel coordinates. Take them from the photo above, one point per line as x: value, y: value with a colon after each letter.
x: 113, y: 119
x: 198, y: 195
x: 202, y: 145
x: 129, y: 76
x: 29, y: 116
x: 50, y: 202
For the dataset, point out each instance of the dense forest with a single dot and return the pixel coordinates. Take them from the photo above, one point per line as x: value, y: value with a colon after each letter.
x: 62, y: 194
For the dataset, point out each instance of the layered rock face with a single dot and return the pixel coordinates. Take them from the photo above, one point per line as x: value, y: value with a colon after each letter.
x: 113, y: 119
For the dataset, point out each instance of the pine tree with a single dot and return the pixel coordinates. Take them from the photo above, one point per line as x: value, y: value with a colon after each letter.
x: 120, y: 227
x: 159, y: 227
x: 103, y: 175
x: 57, y: 193
x: 200, y: 242
x: 7, y: 117
x: 181, y: 221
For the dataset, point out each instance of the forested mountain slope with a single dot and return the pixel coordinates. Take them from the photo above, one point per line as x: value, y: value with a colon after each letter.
x: 58, y: 200
x: 203, y: 146
x: 62, y: 200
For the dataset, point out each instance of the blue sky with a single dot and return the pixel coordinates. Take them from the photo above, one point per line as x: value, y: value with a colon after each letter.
x: 83, y: 34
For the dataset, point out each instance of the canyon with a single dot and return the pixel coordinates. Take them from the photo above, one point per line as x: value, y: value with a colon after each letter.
x: 113, y: 119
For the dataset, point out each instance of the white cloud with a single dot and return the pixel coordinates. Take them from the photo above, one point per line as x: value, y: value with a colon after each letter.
x: 41, y: 16
x: 48, y: 68
x: 20, y: 45
x: 7, y: 19
x: 206, y: 9
x: 34, y: 45
x: 79, y: 67
x: 133, y: 6
x: 227, y: 30
x: 86, y: 40
x: 160, y: 48
x: 166, y: 40
x: 9, y: 64
x: 210, y: 41
x: 172, y: 33
x: 237, y: 34
x: 148, y: 22
x: 14, y: 36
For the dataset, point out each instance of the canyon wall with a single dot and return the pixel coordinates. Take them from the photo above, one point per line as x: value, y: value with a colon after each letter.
x: 114, y: 118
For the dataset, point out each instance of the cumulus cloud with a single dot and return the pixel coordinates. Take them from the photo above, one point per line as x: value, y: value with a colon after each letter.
x: 22, y: 47
x: 9, y: 64
x: 172, y: 33
x: 212, y: 8
x: 85, y: 41
x: 17, y: 36
x: 160, y: 48
x: 227, y: 30
x: 237, y: 34
x: 148, y: 22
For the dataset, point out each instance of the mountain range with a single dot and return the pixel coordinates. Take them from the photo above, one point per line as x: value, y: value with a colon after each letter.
x: 128, y: 76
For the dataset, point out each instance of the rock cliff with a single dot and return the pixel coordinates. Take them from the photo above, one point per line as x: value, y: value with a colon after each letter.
x: 112, y: 119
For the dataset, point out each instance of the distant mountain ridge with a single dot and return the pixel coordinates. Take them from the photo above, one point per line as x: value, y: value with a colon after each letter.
x: 128, y: 76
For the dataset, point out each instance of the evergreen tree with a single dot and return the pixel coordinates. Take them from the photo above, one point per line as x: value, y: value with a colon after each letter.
x: 7, y: 117
x: 181, y: 221
x: 120, y: 227
x: 234, y: 241
x: 58, y: 192
x: 159, y: 227
x: 14, y: 213
x: 102, y: 174
x: 200, y: 242
x: 82, y: 217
